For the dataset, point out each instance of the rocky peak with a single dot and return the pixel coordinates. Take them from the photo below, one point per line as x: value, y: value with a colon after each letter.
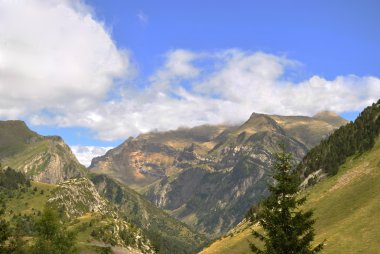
x: 259, y: 122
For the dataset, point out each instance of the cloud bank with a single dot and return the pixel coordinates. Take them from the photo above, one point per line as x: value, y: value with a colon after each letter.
x: 192, y: 88
x: 59, y: 66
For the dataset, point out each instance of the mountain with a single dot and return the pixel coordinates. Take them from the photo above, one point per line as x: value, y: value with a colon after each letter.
x: 118, y: 215
x: 103, y: 212
x: 148, y: 158
x: 45, y: 159
x: 167, y: 233
x: 97, y: 222
x: 330, y: 117
x: 209, y: 176
x: 345, y: 207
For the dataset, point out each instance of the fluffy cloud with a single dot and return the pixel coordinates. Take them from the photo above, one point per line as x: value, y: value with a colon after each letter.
x: 236, y: 84
x: 54, y: 56
x: 86, y: 153
x: 59, y: 66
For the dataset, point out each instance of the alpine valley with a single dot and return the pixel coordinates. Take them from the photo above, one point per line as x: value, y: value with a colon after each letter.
x: 176, y: 191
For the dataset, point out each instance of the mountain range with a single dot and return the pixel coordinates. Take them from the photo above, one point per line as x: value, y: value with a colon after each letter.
x: 173, y: 191
x: 126, y: 220
x: 208, y: 176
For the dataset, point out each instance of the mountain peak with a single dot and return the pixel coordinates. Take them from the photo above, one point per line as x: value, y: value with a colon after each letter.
x: 255, y: 115
x: 330, y: 117
x: 326, y: 113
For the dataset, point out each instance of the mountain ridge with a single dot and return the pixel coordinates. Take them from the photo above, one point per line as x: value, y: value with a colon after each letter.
x: 182, y: 178
x: 42, y: 158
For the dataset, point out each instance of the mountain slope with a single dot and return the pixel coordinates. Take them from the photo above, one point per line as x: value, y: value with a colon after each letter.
x: 209, y: 176
x: 355, y: 137
x: 345, y: 206
x: 168, y: 234
x: 96, y: 221
x: 142, y: 161
x: 44, y: 159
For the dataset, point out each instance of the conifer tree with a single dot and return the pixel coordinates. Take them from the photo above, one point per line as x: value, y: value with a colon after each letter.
x: 287, y: 229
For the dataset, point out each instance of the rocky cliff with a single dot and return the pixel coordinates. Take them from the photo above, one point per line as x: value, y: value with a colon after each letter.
x: 209, y: 181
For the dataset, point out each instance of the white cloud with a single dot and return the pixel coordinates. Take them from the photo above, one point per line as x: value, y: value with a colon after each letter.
x: 237, y: 83
x: 178, y: 67
x: 58, y: 65
x: 85, y: 154
x: 54, y: 56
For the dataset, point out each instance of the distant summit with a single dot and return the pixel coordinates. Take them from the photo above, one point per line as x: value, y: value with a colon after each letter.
x: 330, y: 117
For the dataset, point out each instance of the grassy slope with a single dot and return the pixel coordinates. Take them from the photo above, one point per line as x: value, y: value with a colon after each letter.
x: 28, y: 202
x: 27, y: 153
x: 25, y: 150
x: 346, y: 210
x: 13, y: 137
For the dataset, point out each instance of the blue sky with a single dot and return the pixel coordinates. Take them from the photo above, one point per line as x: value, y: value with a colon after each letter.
x: 96, y: 72
x: 329, y: 37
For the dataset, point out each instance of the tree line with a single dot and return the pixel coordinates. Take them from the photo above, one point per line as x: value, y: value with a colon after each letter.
x: 353, y: 138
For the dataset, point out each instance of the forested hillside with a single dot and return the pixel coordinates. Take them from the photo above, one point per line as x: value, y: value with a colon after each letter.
x: 353, y: 138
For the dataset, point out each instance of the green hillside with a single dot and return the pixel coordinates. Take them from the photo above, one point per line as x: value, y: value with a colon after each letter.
x: 97, y: 222
x: 352, y: 138
x: 44, y: 159
x: 346, y: 210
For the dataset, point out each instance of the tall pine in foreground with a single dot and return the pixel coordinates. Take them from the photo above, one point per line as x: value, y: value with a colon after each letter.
x: 287, y: 229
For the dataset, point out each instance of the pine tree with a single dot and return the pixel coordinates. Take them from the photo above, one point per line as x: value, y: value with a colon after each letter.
x: 287, y: 229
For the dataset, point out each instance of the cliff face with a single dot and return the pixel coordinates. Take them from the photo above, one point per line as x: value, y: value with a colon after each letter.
x: 210, y: 182
x: 44, y: 159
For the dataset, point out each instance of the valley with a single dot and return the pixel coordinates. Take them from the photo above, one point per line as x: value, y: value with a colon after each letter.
x: 175, y: 191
